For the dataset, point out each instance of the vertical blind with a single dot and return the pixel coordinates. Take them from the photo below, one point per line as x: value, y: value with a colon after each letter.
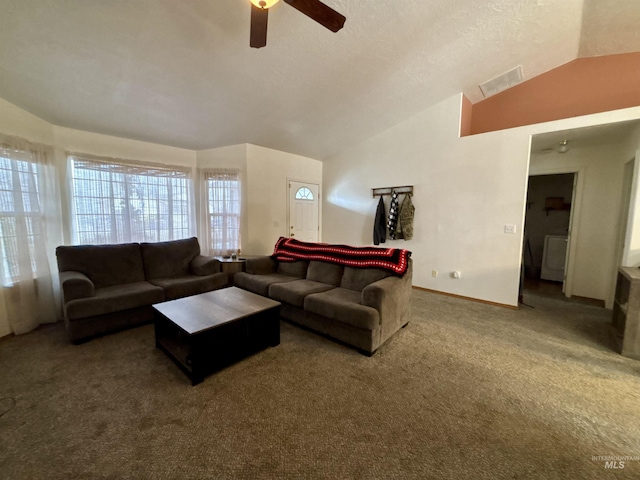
x: 116, y: 201
x: 223, y: 209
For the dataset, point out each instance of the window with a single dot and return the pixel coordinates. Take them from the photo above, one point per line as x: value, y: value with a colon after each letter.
x: 304, y: 193
x: 29, y: 213
x: 223, y: 193
x: 21, y: 220
x: 117, y: 202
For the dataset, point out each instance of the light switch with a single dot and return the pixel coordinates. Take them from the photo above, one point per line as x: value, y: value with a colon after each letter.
x: 510, y: 229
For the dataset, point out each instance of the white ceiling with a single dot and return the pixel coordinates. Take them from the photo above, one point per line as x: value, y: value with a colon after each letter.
x: 585, y: 137
x: 181, y: 72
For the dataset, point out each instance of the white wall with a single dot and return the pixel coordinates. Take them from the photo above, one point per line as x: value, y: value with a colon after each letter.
x: 20, y: 123
x: 105, y: 145
x: 596, y: 218
x: 466, y: 191
x: 462, y: 198
x: 268, y: 171
x: 265, y: 173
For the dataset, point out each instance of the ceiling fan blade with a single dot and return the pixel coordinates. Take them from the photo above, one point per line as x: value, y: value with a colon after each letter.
x: 321, y: 13
x: 259, y: 17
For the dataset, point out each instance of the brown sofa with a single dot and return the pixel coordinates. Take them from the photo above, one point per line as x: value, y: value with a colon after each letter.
x: 362, y: 307
x: 106, y: 288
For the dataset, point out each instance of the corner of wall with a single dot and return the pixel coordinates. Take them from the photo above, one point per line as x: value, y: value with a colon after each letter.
x: 20, y: 123
x: 466, y: 110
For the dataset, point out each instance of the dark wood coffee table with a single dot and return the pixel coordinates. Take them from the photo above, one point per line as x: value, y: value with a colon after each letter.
x: 204, y: 333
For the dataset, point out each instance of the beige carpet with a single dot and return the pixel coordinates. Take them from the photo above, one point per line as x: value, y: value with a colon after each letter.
x: 465, y: 391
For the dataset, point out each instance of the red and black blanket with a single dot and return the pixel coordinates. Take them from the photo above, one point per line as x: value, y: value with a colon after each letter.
x: 395, y: 260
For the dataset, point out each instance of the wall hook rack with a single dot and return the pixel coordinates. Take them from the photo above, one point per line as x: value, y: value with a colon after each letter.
x: 377, y: 192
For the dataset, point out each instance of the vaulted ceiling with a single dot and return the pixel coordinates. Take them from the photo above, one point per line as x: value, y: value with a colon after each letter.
x: 182, y: 73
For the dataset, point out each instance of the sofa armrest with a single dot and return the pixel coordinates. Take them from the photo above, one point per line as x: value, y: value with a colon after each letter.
x: 76, y: 285
x: 201, y: 265
x: 390, y: 296
x: 260, y: 265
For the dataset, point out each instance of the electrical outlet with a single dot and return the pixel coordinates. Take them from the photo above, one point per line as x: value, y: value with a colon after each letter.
x: 434, y: 273
x: 510, y: 229
x: 456, y: 274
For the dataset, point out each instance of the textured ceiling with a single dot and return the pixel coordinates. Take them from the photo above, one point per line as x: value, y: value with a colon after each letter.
x: 181, y: 72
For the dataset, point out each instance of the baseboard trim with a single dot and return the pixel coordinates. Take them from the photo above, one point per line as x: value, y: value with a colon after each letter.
x: 478, y: 300
x: 7, y: 336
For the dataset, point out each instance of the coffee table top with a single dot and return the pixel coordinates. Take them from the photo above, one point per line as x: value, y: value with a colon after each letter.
x: 210, y: 309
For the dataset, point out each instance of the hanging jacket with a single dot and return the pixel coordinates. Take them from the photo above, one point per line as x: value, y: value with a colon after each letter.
x: 393, y: 215
x: 405, y: 219
x: 380, y: 224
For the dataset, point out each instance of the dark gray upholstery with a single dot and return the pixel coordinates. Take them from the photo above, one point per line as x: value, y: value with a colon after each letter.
x: 260, y: 283
x: 109, y: 287
x: 367, y: 341
x: 169, y: 259
x: 260, y: 265
x: 262, y: 272
x: 325, y: 272
x: 358, y: 278
x: 343, y: 305
x: 114, y: 298
x: 295, y: 269
x: 201, y: 265
x: 76, y: 285
x: 187, y: 285
x: 362, y: 307
x: 294, y: 292
x: 104, y: 265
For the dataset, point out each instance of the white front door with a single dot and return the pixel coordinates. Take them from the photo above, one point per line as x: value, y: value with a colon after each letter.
x: 304, y: 211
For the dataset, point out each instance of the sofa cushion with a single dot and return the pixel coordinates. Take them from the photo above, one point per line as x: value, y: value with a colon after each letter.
x: 114, y: 299
x: 343, y: 305
x: 186, y: 285
x: 325, y: 272
x: 201, y: 265
x: 75, y: 285
x: 358, y: 278
x: 295, y: 269
x: 294, y: 292
x: 261, y: 265
x: 104, y: 265
x: 260, y: 283
x: 169, y: 259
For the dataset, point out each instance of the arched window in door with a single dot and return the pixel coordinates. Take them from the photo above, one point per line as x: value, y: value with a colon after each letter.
x: 304, y: 193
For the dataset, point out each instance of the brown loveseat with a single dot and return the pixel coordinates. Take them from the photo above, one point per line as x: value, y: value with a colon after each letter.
x: 110, y: 287
x: 362, y: 307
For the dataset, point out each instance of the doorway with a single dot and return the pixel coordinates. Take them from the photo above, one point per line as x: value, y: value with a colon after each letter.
x: 304, y: 211
x: 547, y: 233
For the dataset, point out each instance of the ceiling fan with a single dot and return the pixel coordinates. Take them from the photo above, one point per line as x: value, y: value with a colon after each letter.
x: 314, y: 9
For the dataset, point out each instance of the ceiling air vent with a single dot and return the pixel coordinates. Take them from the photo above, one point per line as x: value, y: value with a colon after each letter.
x: 502, y: 82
